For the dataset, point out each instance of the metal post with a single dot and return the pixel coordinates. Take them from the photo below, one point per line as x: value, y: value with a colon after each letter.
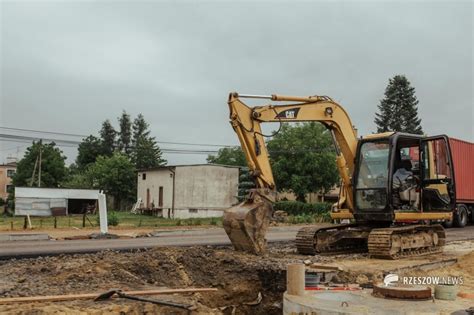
x: 104, y: 229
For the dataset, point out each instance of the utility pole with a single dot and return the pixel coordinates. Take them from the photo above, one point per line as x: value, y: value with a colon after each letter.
x: 39, y: 169
x: 34, y: 172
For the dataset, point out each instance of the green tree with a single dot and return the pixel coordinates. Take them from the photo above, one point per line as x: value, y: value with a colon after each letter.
x: 228, y: 156
x: 398, y: 110
x: 303, y: 159
x: 115, y: 175
x: 89, y: 149
x: 140, y: 129
x: 145, y: 152
x: 76, y: 178
x: 107, y: 137
x: 246, y: 182
x: 125, y: 133
x: 77, y: 181
x: 53, y: 168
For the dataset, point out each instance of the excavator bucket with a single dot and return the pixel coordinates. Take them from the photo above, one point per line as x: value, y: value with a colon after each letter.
x: 246, y: 224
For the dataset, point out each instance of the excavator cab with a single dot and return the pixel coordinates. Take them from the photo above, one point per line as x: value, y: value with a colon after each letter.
x: 402, y: 173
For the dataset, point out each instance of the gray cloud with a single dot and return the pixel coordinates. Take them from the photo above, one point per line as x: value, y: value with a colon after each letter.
x: 69, y: 66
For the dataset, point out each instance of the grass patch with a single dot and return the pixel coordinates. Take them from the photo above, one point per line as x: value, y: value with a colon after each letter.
x: 301, y: 208
x: 301, y: 212
x: 115, y: 218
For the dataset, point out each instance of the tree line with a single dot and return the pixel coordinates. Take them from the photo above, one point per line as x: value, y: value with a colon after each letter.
x: 301, y: 155
x: 108, y: 161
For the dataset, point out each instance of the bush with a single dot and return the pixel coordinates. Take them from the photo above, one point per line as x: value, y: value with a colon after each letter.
x: 303, y: 218
x: 213, y: 221
x: 297, y: 208
x: 112, y: 219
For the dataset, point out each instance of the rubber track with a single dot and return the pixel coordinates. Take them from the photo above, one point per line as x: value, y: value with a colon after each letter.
x: 380, y: 241
x: 306, y: 240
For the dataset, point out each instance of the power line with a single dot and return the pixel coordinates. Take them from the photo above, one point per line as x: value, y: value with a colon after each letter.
x: 29, y: 142
x: 42, y: 131
x: 18, y: 137
x: 199, y: 144
x: 15, y: 147
x: 85, y: 136
x: 72, y: 144
x: 75, y: 143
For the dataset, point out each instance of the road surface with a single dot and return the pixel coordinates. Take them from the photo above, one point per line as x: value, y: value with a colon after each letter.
x: 214, y: 236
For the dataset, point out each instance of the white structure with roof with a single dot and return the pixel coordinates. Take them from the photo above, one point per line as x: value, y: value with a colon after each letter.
x: 33, y: 201
x: 188, y: 191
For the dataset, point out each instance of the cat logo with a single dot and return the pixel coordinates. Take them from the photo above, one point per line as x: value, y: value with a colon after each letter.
x: 288, y: 114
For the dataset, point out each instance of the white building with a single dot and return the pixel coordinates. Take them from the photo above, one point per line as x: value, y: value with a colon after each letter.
x: 188, y: 191
x: 35, y: 201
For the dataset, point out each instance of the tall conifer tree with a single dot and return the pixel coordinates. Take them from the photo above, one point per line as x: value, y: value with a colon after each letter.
x: 398, y: 110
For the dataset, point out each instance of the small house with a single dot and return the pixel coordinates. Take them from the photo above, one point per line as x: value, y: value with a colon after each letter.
x: 188, y: 191
x: 6, y: 173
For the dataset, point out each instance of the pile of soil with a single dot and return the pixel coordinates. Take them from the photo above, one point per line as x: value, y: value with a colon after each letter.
x: 463, y: 268
x: 239, y: 278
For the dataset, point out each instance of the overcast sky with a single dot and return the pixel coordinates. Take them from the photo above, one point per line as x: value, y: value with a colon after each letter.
x: 68, y: 66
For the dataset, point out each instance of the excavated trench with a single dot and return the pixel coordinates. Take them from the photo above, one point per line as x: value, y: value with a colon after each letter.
x: 246, y: 284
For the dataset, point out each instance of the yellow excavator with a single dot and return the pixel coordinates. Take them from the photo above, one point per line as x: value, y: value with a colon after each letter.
x: 395, y: 187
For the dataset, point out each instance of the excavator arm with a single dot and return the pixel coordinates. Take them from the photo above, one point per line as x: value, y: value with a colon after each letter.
x: 246, y: 223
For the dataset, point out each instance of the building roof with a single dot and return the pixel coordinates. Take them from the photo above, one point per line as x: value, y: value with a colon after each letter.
x: 10, y: 165
x: 185, y: 165
x: 37, y: 192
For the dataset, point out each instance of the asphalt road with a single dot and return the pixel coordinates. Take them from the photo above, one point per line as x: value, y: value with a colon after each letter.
x: 22, y: 249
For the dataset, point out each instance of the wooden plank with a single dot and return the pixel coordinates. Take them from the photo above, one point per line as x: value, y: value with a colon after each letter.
x: 29, y: 221
x: 84, y: 296
x: 325, y: 267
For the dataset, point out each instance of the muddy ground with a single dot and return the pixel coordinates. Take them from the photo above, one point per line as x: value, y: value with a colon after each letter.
x: 240, y: 278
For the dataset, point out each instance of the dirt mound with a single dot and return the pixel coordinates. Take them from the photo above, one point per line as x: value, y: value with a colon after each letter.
x: 465, y: 264
x: 239, y: 278
x: 463, y: 268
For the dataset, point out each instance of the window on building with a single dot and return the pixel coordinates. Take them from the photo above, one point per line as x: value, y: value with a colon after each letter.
x: 148, y: 205
x: 160, y: 197
x: 9, y: 188
x: 193, y: 210
x: 144, y: 176
x: 10, y: 173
